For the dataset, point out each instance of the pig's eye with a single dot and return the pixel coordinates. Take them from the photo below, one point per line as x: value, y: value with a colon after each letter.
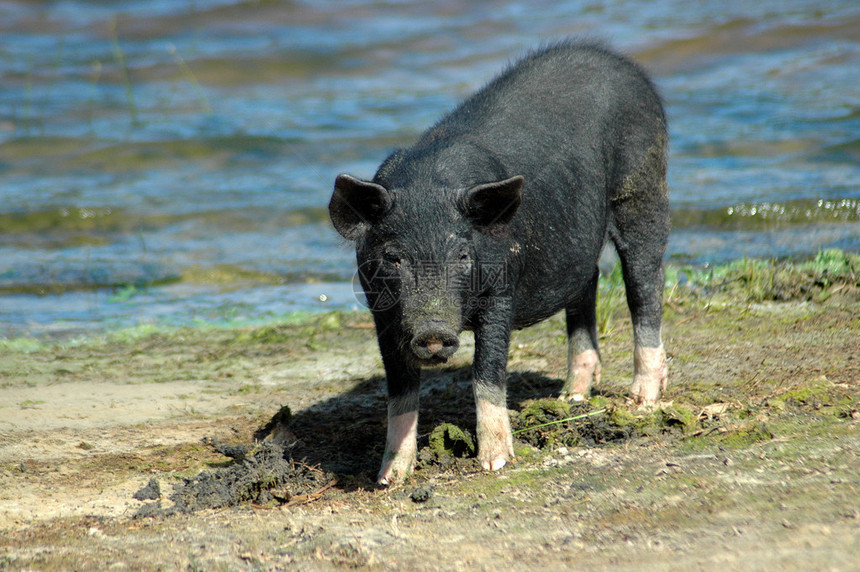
x: 392, y: 258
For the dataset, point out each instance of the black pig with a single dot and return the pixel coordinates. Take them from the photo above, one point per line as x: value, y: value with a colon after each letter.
x: 495, y: 220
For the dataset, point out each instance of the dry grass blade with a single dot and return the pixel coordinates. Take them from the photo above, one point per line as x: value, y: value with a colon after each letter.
x: 558, y: 421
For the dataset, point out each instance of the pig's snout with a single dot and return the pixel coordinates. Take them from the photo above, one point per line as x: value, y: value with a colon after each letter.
x: 436, y: 343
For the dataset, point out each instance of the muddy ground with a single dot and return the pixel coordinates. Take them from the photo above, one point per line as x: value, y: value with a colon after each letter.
x: 256, y: 449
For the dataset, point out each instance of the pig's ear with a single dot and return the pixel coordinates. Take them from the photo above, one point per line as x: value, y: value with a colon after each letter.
x: 357, y: 204
x: 492, y: 205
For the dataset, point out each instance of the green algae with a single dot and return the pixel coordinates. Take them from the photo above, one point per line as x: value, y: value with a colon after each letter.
x: 652, y: 421
x: 746, y: 435
x: 821, y: 395
x: 539, y: 424
x: 448, y: 439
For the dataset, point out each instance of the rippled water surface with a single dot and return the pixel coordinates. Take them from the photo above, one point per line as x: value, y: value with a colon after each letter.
x: 170, y: 161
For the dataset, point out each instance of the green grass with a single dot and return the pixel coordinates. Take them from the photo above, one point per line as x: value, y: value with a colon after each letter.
x: 760, y: 280
x: 610, y: 298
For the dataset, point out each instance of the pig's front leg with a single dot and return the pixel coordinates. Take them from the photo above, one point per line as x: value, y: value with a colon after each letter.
x: 401, y: 442
x: 403, y: 381
x: 495, y: 441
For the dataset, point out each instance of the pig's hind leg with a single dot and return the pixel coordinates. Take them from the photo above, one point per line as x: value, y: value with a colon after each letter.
x: 640, y: 232
x: 643, y: 280
x: 583, y: 356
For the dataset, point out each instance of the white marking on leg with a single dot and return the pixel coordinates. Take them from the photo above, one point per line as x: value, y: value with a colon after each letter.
x: 401, y: 445
x: 583, y: 372
x: 495, y: 440
x: 650, y: 374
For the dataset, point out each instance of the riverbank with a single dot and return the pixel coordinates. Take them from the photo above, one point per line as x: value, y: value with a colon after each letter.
x: 750, y: 462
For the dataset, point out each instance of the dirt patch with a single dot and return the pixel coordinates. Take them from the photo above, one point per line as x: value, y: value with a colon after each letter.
x: 751, y: 460
x: 262, y: 476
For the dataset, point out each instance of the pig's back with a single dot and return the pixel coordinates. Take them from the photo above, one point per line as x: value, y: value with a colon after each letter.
x: 566, y: 99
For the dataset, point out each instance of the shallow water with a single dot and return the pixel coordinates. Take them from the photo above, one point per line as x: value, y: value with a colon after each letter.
x: 170, y: 162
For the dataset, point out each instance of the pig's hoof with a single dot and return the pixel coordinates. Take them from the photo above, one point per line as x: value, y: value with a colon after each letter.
x: 645, y: 403
x: 389, y: 478
x: 650, y: 375
x: 395, y: 471
x: 496, y: 454
x: 583, y: 373
x: 646, y: 392
x: 494, y: 464
x: 495, y: 440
